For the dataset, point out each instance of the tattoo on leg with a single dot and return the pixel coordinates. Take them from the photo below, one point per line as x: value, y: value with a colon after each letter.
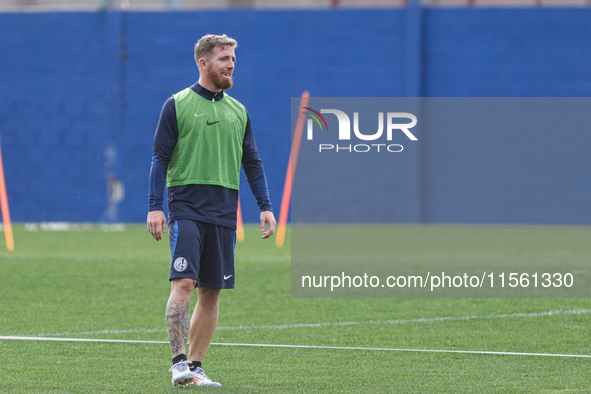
x: 177, y: 324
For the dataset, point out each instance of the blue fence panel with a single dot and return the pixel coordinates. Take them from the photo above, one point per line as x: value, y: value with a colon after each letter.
x: 81, y: 95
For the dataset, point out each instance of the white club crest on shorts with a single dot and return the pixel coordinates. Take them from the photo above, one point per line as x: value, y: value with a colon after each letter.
x: 180, y: 264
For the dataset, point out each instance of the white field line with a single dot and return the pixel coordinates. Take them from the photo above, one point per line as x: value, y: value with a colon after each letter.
x: 49, y: 339
x: 303, y: 347
x: 334, y: 324
x: 130, y: 331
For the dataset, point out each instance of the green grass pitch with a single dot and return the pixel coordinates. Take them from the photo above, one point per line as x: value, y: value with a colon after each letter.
x: 92, y: 283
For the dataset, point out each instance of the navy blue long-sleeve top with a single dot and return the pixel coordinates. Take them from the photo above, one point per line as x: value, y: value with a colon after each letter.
x: 206, y: 203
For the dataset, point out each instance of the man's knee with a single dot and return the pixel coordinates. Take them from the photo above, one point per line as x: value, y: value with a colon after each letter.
x: 209, y: 297
x: 182, y: 287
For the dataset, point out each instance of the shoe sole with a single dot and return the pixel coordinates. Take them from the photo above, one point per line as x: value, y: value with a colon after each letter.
x: 211, y: 384
x: 183, y: 381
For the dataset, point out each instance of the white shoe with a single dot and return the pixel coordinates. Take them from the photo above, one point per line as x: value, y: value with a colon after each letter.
x: 201, y: 379
x: 181, y: 374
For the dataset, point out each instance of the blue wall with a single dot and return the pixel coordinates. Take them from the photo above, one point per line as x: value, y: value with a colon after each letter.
x: 81, y: 92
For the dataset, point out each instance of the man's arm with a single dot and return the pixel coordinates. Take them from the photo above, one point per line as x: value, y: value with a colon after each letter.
x: 156, y: 219
x: 164, y: 143
x: 255, y: 175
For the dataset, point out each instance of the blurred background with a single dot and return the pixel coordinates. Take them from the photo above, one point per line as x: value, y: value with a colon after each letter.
x: 160, y: 5
x: 82, y: 84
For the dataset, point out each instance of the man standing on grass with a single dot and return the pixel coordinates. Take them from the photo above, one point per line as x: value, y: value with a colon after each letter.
x: 202, y: 138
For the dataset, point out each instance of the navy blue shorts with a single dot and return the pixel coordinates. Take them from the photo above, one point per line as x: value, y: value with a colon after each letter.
x: 204, y: 252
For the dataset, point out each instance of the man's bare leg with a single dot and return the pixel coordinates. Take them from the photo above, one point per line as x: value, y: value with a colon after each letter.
x: 203, y: 322
x: 177, y: 314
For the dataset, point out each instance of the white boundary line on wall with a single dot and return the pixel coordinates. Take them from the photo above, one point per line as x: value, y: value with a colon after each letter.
x: 302, y: 347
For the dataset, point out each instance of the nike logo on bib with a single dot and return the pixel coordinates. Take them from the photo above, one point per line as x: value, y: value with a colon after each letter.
x: 227, y: 277
x: 212, y: 123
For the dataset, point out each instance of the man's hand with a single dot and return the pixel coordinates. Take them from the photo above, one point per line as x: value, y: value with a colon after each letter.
x: 267, y: 217
x: 156, y: 224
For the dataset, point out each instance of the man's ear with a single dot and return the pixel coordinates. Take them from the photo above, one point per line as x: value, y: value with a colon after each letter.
x: 202, y: 63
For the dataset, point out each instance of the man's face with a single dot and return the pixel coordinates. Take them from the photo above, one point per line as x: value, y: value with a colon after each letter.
x: 220, y: 66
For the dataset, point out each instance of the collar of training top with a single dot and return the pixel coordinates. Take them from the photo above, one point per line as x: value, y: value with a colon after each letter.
x: 207, y: 94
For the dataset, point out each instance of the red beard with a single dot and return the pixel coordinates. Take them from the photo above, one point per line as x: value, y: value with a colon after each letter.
x: 220, y: 82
